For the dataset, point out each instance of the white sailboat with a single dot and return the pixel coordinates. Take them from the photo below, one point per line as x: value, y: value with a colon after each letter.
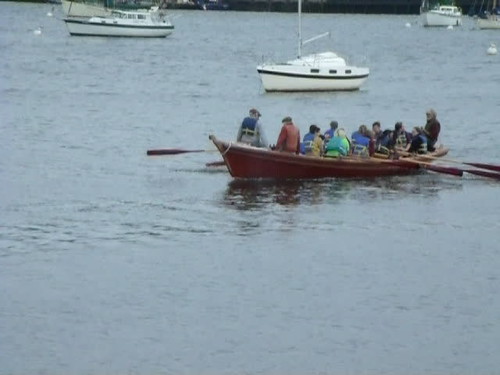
x: 325, y: 71
x: 491, y: 20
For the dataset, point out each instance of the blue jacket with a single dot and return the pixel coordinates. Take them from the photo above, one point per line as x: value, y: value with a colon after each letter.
x: 360, y: 139
x: 307, y: 143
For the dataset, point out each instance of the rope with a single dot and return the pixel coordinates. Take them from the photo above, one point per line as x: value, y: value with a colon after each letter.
x: 227, y: 149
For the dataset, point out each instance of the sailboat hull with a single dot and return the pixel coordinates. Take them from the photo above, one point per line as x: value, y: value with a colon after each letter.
x: 274, y: 79
x: 492, y: 22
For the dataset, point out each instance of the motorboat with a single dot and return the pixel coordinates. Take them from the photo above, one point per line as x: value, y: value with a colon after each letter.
x: 440, y: 15
x: 151, y: 23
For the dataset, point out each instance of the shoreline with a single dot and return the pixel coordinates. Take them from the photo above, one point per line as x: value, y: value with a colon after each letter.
x: 312, y: 6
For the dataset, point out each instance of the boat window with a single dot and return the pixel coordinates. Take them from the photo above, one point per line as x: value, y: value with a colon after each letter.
x: 348, y: 71
x: 333, y: 72
x: 314, y: 70
x: 141, y: 16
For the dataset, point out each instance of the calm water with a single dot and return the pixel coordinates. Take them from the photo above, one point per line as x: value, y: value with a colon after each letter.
x: 115, y: 262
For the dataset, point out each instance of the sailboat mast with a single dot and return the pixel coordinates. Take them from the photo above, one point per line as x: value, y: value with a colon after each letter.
x: 300, y: 28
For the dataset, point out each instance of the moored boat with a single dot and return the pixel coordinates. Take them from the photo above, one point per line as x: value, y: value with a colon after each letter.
x: 326, y: 71
x: 245, y: 161
x: 440, y: 15
x: 146, y: 24
x: 490, y: 19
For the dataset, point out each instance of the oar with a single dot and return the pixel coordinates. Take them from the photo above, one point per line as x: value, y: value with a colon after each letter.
x: 483, y: 173
x: 454, y: 171
x: 435, y: 168
x: 174, y: 151
x: 439, y: 169
x: 215, y: 163
x: 491, y: 167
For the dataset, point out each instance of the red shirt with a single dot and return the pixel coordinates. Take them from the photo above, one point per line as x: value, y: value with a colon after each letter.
x: 289, y: 138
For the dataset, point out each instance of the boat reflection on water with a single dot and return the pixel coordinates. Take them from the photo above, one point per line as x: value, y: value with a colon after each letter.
x: 257, y: 194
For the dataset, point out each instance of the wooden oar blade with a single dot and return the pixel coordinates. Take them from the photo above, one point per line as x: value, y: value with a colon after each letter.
x: 483, y: 173
x: 490, y: 167
x: 170, y: 151
x: 447, y: 170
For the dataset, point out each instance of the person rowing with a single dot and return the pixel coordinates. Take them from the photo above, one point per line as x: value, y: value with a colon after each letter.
x: 312, y: 144
x: 338, y: 145
x: 418, y: 144
x: 289, y: 137
x: 361, y: 141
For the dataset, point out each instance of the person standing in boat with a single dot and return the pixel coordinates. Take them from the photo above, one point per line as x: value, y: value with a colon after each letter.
x: 251, y: 131
x: 432, y: 129
x: 289, y: 137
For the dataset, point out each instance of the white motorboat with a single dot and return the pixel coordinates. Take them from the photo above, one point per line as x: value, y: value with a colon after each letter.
x: 147, y: 24
x: 325, y: 71
x: 440, y: 15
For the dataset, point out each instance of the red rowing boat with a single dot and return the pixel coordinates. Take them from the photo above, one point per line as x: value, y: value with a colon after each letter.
x: 245, y: 161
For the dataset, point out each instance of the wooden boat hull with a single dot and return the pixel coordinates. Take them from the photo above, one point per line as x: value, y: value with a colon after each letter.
x: 245, y: 161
